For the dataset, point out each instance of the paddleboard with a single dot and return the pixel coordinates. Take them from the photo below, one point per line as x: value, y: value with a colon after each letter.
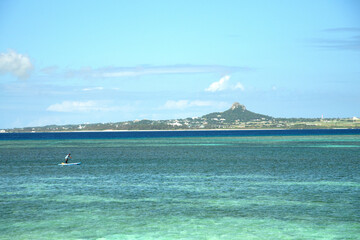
x: 69, y: 164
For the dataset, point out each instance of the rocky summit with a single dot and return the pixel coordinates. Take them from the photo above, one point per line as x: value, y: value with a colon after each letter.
x: 238, y: 105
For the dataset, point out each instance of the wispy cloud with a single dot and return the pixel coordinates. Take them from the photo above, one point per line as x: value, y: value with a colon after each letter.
x: 77, y: 106
x: 343, y: 29
x: 181, y: 104
x: 239, y: 86
x: 51, y: 70
x: 223, y: 84
x: 339, y: 39
x: 93, y: 89
x: 16, y: 64
x: 119, y: 72
x: 184, y: 104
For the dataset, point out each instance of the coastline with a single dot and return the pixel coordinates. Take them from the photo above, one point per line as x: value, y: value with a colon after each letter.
x: 183, y: 130
x: 155, y: 130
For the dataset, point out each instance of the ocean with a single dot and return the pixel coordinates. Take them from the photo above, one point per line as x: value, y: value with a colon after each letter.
x: 276, y: 184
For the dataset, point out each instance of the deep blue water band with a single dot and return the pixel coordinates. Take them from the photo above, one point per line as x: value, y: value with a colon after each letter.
x: 162, y: 134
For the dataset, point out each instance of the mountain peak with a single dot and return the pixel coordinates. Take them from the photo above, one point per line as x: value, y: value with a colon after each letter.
x: 238, y: 105
x: 237, y: 113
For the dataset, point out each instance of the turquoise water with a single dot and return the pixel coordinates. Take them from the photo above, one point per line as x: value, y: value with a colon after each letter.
x: 261, y: 187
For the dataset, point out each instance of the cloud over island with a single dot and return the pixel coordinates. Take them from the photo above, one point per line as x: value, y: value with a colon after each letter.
x: 223, y: 84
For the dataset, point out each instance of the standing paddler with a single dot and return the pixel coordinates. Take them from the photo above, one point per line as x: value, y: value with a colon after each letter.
x: 67, y: 157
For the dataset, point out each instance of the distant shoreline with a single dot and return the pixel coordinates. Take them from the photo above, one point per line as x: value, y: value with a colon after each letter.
x: 181, y: 130
x: 165, y: 130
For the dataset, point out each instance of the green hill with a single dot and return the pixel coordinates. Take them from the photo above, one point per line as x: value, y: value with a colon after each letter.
x: 237, y: 113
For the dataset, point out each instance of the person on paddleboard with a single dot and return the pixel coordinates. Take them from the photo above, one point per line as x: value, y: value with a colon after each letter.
x: 67, y: 158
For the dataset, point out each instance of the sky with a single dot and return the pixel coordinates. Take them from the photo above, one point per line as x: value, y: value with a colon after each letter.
x: 85, y: 61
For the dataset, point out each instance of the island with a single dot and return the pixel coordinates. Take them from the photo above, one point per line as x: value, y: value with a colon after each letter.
x: 236, y: 117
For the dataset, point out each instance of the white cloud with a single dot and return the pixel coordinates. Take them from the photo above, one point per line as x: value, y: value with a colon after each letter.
x: 16, y: 64
x: 223, y: 84
x: 219, y: 85
x: 74, y: 106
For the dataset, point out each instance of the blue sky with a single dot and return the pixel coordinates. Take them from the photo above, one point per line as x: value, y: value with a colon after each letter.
x: 80, y: 61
